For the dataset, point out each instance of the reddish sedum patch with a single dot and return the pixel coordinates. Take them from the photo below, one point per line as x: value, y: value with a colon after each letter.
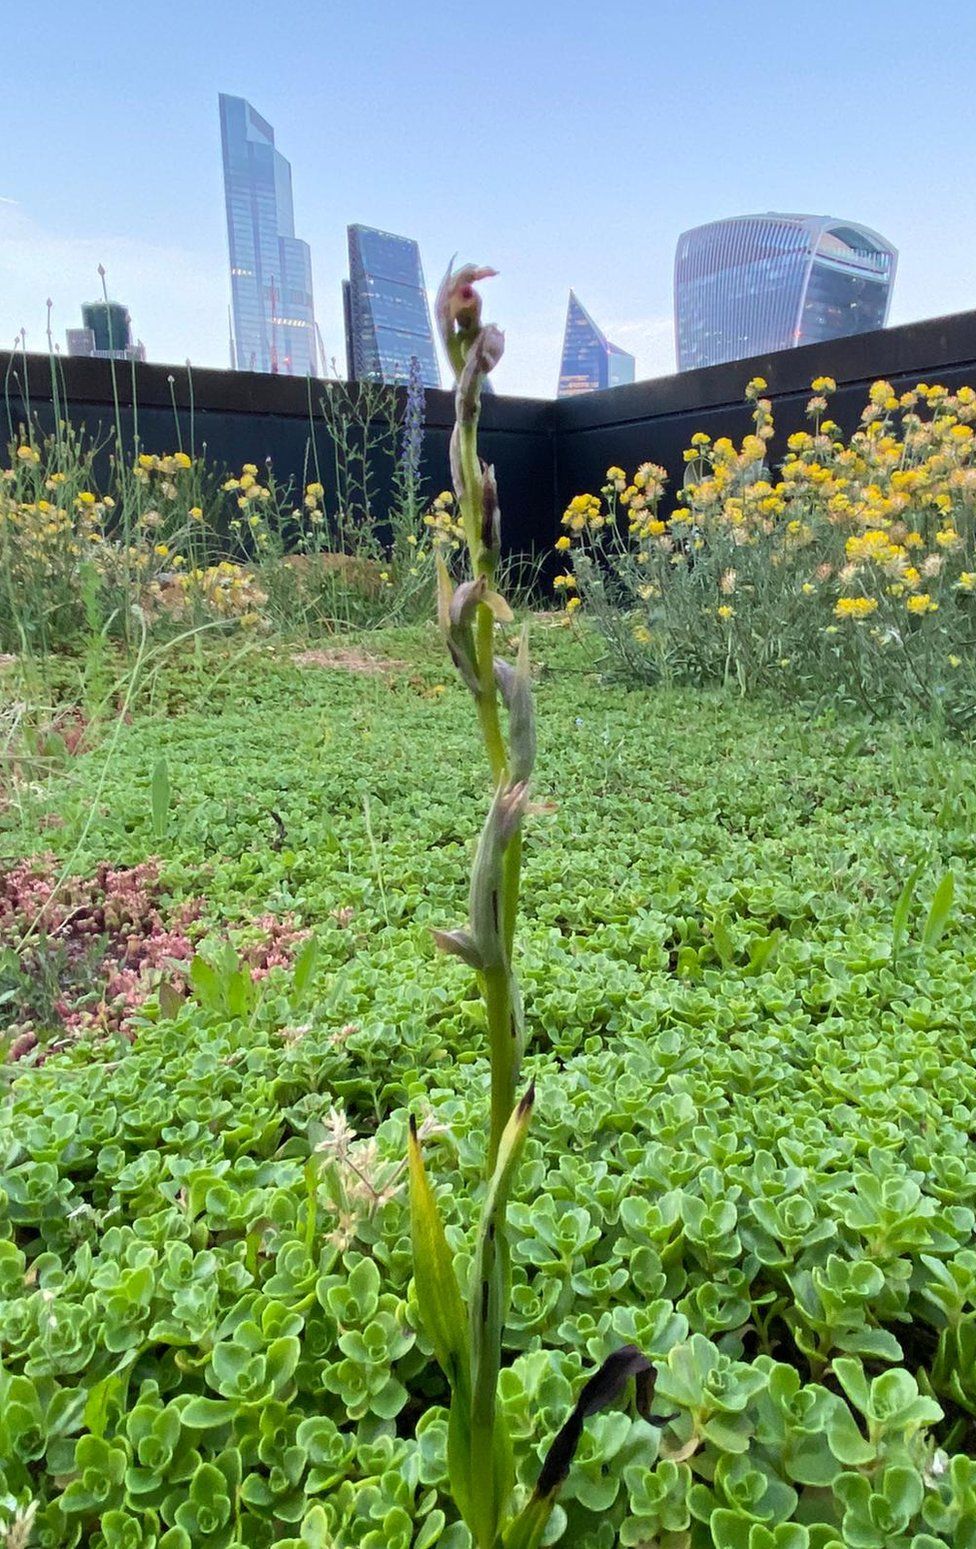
x: 97, y: 944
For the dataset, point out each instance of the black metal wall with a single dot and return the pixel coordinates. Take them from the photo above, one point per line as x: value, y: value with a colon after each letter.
x: 654, y: 421
x: 544, y: 453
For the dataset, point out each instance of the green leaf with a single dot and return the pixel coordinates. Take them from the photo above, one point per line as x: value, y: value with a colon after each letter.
x: 203, y: 1414
x: 438, y: 1296
x: 903, y: 908
x: 205, y: 983
x: 160, y: 797
x: 939, y: 911
x: 304, y: 967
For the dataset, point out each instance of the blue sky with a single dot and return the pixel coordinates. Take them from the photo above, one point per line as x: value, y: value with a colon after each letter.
x: 566, y: 143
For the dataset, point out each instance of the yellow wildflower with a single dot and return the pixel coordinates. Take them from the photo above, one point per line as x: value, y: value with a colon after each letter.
x: 921, y: 603
x: 855, y: 607
x: 563, y: 543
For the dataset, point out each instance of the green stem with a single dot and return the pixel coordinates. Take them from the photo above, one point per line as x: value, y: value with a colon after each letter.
x: 488, y: 698
x: 503, y: 1045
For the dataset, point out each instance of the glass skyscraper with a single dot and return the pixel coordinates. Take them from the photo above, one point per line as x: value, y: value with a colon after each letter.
x: 758, y: 283
x: 590, y: 362
x: 270, y: 268
x: 386, y: 312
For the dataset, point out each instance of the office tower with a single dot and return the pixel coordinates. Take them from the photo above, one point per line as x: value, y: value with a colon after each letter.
x: 270, y: 268
x: 384, y: 303
x: 106, y: 333
x: 758, y: 283
x: 590, y: 362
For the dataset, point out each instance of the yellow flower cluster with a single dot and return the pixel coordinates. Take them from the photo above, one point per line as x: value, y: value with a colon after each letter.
x: 584, y: 513
x: 248, y: 488
x: 876, y: 525
x: 445, y: 526
x: 855, y: 607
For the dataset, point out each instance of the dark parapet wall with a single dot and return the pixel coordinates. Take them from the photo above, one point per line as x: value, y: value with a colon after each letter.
x: 241, y: 416
x: 654, y: 421
x: 544, y: 453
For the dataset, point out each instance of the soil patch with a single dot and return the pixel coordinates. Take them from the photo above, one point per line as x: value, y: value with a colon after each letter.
x: 347, y: 659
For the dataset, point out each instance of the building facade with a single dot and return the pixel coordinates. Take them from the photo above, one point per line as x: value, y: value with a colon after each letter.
x: 387, y: 316
x: 758, y: 283
x: 270, y: 268
x: 105, y: 334
x: 589, y: 361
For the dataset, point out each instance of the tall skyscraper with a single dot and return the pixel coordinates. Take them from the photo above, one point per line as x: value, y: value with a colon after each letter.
x: 757, y: 283
x: 590, y: 362
x: 106, y: 333
x: 386, y: 313
x: 270, y: 268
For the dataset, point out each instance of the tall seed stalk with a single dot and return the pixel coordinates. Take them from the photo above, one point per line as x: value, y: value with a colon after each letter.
x: 467, y: 1332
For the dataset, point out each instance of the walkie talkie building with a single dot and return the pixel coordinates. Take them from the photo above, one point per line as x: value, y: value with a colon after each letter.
x: 757, y: 283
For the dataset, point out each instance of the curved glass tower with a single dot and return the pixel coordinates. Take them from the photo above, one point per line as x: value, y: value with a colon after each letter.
x: 757, y: 283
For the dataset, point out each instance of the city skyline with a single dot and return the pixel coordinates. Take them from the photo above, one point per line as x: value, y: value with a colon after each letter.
x: 751, y: 284
x: 515, y: 175
x: 270, y: 268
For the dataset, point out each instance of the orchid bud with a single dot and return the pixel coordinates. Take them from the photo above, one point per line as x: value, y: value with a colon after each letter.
x: 483, y: 356
x: 458, y: 304
x: 455, y: 613
x: 466, y: 599
x: 457, y: 472
x: 484, y: 902
x: 445, y: 592
x: 515, y: 685
x: 459, y: 943
x: 491, y: 517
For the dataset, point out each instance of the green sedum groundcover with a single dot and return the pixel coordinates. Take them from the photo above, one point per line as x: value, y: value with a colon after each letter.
x: 752, y: 1155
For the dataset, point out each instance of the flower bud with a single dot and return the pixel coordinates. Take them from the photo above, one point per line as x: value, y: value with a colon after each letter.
x: 466, y: 599
x: 485, y: 899
x: 491, y: 517
x: 515, y: 685
x: 483, y: 356
x: 458, y: 304
x: 455, y: 614
x: 457, y: 472
x: 459, y: 943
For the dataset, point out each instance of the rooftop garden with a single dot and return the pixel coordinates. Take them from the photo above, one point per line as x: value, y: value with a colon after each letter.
x: 486, y: 1069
